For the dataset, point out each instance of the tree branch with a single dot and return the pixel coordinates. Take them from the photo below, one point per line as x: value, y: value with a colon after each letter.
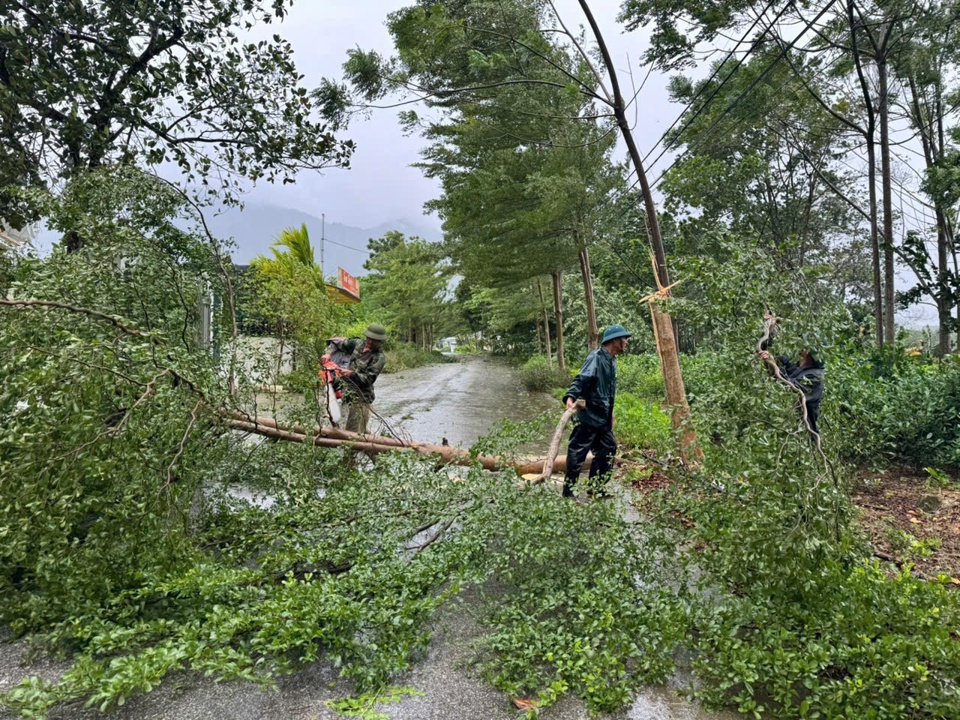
x: 84, y: 311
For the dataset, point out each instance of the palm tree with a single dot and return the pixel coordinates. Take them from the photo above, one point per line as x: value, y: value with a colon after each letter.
x: 297, y: 243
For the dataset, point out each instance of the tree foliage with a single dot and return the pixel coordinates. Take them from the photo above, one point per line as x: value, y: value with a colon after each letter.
x: 104, y: 393
x: 287, y: 294
x: 85, y: 83
x: 408, y: 282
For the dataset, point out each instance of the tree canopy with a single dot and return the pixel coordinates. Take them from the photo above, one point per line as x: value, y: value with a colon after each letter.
x: 85, y: 82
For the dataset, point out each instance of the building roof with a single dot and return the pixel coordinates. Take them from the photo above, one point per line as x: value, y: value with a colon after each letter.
x: 11, y: 239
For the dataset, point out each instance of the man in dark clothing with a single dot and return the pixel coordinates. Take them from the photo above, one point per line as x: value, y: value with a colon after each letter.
x: 364, y: 362
x: 596, y: 384
x: 807, y: 376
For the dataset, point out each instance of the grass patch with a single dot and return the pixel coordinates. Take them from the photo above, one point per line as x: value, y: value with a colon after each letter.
x: 403, y: 356
x: 538, y: 376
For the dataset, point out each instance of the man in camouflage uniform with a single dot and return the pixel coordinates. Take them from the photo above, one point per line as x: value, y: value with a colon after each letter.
x: 366, y: 361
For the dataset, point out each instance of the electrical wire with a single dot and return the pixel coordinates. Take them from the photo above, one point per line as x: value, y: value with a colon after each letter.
x: 756, y: 81
x: 706, y: 84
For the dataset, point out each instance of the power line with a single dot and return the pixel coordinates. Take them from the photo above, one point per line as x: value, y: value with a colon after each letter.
x: 348, y: 247
x: 727, y: 110
x: 808, y: 26
x: 719, y: 87
x: 750, y: 88
x: 927, y: 219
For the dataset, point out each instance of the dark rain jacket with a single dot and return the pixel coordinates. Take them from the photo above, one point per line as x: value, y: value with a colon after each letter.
x: 366, y: 365
x: 808, y: 379
x: 596, y: 383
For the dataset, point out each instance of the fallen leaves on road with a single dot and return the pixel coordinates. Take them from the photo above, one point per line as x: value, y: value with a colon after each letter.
x: 526, y: 704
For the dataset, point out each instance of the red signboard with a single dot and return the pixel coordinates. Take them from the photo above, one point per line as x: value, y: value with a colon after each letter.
x: 348, y: 283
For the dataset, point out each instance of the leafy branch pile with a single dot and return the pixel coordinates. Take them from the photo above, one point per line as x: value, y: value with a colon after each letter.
x: 795, y: 618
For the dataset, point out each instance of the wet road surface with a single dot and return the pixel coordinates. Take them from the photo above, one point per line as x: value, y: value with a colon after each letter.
x: 449, y: 692
x: 459, y: 401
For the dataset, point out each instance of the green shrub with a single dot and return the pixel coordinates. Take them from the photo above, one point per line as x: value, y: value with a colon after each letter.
x: 403, y: 356
x: 641, y: 375
x: 909, y: 411
x: 537, y: 376
x: 868, y: 647
x: 642, y: 424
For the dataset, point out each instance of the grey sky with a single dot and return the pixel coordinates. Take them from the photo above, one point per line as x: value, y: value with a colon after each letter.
x: 381, y: 186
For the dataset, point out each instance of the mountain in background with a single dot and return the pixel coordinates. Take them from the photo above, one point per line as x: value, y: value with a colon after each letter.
x: 257, y: 225
x: 254, y: 228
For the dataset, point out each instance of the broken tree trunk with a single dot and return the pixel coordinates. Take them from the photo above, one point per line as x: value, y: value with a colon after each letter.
x: 669, y: 356
x: 555, y: 443
x: 374, y: 444
x: 673, y: 381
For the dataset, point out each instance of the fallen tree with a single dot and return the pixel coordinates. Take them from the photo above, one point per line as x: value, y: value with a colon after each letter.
x: 331, y: 437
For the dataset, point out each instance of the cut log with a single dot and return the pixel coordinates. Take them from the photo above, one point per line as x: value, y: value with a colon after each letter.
x: 580, y: 404
x: 325, y: 431
x: 374, y: 444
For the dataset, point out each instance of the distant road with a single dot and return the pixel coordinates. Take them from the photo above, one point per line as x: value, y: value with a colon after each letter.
x: 458, y: 401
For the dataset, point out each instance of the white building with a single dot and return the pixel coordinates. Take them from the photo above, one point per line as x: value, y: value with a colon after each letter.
x: 11, y: 239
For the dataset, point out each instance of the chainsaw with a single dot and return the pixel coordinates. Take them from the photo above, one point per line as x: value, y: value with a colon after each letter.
x: 330, y: 374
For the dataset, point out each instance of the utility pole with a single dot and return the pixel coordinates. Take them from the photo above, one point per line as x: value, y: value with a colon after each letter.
x: 323, y: 229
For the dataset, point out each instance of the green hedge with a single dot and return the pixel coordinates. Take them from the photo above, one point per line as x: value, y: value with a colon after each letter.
x: 537, y: 376
x: 642, y: 424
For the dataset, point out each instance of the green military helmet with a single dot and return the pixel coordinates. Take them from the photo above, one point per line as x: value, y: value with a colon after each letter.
x: 613, y: 332
x: 376, y: 331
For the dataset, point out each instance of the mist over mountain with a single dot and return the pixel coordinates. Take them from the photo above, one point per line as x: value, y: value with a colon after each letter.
x: 255, y: 227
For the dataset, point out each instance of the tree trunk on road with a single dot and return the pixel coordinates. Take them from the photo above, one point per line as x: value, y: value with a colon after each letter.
x: 374, y: 444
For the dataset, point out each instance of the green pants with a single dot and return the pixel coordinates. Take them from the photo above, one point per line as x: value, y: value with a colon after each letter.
x: 358, y: 415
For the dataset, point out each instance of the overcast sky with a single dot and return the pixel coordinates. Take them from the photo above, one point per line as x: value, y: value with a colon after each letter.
x: 381, y: 185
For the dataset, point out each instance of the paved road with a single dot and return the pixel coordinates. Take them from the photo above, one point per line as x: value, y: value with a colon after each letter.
x: 457, y: 401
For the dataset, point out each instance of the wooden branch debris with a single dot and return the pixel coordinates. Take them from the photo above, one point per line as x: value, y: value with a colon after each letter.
x: 580, y: 404
x: 374, y: 444
x: 769, y: 323
x: 113, y: 320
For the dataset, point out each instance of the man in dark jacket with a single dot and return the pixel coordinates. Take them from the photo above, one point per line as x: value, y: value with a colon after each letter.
x: 807, y: 376
x: 366, y: 361
x: 596, y: 384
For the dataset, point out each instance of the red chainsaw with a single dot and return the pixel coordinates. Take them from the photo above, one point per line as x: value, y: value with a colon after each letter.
x: 330, y: 374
